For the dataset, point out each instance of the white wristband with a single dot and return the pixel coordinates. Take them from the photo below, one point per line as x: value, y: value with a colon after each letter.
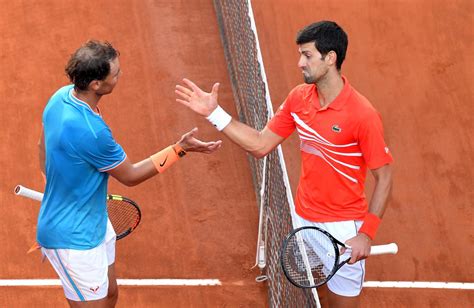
x: 219, y: 118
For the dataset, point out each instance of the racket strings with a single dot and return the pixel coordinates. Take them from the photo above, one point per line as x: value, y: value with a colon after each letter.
x: 123, y: 216
x: 309, y: 258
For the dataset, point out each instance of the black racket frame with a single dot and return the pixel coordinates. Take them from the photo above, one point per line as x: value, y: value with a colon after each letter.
x: 132, y: 203
x: 335, y: 244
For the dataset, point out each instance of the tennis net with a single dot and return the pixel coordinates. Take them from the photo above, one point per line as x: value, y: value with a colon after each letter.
x: 252, y: 99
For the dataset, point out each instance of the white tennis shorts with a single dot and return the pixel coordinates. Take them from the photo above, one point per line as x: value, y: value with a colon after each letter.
x: 348, y: 280
x: 84, y: 273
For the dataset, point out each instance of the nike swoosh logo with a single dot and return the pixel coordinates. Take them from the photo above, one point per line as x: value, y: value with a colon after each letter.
x: 164, y: 162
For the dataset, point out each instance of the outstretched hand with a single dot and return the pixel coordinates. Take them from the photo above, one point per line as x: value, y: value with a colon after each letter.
x: 194, y: 98
x: 190, y: 144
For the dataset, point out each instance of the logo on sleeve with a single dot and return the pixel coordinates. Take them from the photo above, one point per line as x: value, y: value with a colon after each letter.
x: 164, y: 162
x: 335, y: 128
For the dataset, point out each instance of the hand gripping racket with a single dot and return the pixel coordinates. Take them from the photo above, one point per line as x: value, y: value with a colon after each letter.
x: 124, y: 214
x: 310, y: 256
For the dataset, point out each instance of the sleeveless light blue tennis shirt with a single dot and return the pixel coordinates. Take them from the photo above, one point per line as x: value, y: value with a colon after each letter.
x: 80, y: 150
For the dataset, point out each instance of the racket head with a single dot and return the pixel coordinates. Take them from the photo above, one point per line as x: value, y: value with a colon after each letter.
x: 124, y: 214
x: 310, y: 257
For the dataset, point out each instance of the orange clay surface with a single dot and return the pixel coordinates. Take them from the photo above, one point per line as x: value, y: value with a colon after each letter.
x: 412, y: 59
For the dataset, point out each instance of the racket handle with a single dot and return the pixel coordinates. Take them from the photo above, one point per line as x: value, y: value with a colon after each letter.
x: 28, y: 193
x: 391, y: 248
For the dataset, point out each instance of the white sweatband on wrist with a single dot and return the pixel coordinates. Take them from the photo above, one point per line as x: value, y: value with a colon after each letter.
x: 219, y: 118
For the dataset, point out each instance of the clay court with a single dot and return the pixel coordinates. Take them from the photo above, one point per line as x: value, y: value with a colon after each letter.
x: 412, y: 59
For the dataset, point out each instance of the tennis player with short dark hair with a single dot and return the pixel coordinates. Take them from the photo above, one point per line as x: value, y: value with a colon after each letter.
x: 341, y: 136
x: 77, y: 155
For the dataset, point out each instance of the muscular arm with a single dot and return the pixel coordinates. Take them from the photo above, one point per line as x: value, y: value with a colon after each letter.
x: 383, y: 186
x: 254, y: 142
x: 131, y: 174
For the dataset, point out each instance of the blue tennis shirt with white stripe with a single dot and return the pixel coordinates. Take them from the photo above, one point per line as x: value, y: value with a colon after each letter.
x: 80, y: 150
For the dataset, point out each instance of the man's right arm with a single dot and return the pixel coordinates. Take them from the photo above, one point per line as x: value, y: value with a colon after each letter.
x: 254, y: 142
x: 131, y: 174
x: 258, y: 144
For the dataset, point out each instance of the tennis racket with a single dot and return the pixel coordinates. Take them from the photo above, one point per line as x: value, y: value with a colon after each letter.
x: 310, y: 256
x: 124, y: 214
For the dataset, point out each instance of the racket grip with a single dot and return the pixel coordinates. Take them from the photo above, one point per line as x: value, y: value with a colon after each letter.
x: 391, y: 248
x: 28, y: 193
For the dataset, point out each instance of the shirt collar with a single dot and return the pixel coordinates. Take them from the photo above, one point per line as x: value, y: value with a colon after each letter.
x: 79, y: 103
x: 342, y: 97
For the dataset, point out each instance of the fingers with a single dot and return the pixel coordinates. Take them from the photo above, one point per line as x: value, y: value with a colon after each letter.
x: 342, y: 250
x: 215, y: 88
x: 353, y: 259
x: 214, y: 147
x: 191, y: 132
x: 209, y: 144
x: 184, y: 95
x: 184, y: 90
x: 211, y: 148
x: 188, y: 137
x: 191, y: 84
x: 205, y: 147
x: 357, y: 256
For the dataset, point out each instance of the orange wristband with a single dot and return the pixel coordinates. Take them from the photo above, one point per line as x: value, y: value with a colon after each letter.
x: 179, y: 150
x: 370, y: 225
x: 166, y: 157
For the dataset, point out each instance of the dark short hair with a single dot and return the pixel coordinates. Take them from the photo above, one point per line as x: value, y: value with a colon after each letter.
x: 90, y: 62
x: 327, y: 36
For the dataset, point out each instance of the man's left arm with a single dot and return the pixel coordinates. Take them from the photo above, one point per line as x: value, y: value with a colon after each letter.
x: 382, y: 189
x: 361, y: 243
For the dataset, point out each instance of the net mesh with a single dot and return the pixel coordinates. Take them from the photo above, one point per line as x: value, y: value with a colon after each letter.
x: 248, y: 85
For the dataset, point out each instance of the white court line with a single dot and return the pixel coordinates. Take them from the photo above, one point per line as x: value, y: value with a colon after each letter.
x: 420, y: 285
x: 122, y: 282
x: 217, y: 282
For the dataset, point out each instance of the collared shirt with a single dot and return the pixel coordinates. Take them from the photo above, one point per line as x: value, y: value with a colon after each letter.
x: 80, y: 150
x: 338, y: 143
